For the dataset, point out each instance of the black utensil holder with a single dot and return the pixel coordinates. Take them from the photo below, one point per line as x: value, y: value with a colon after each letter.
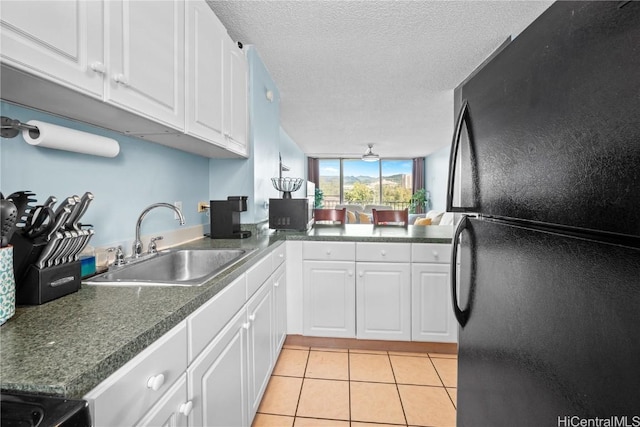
x: 43, y: 285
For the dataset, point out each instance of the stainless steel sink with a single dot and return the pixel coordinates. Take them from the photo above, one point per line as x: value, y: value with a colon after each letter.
x: 188, y: 267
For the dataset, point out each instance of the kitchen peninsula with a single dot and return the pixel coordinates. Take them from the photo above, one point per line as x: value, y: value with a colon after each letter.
x: 68, y: 346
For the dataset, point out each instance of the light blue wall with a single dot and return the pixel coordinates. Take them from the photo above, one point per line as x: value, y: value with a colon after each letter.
x: 294, y: 158
x: 252, y: 177
x: 437, y: 170
x: 143, y: 173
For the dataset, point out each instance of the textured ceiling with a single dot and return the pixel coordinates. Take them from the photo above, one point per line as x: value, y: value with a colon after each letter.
x: 352, y: 73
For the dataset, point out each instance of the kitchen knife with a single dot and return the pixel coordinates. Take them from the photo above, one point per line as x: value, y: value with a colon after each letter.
x: 83, y: 235
x: 69, y: 201
x: 90, y: 234
x: 50, y: 202
x: 57, y: 227
x: 49, y: 250
x: 61, y: 250
x: 74, y: 212
x: 81, y: 208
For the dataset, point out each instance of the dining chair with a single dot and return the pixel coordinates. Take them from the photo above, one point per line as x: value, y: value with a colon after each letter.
x: 384, y: 217
x: 331, y: 215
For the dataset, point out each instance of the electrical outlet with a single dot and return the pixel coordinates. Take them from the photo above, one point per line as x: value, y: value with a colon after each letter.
x: 203, y: 206
x: 179, y: 206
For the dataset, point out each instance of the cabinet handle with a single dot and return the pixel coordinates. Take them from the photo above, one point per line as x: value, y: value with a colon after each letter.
x: 185, y: 408
x: 361, y: 273
x: 155, y: 382
x: 281, y: 255
x: 436, y: 254
x: 98, y: 67
x: 383, y: 252
x: 328, y: 251
x: 120, y: 79
x: 252, y: 317
x: 461, y: 316
x: 350, y: 273
x: 276, y: 284
x: 246, y: 325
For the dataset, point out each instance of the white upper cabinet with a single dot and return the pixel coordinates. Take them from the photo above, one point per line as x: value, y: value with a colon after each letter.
x: 235, y: 118
x: 163, y: 70
x: 61, y: 41
x: 206, y: 48
x: 146, y: 58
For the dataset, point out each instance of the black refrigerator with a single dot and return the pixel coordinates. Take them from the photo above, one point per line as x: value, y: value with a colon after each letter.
x: 546, y: 259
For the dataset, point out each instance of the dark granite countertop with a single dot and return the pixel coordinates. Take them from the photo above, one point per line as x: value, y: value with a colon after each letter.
x: 68, y: 346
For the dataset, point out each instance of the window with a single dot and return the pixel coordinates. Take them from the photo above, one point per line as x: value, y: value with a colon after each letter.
x: 353, y: 181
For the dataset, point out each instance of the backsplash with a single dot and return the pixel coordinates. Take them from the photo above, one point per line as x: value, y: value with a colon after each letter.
x: 143, y: 173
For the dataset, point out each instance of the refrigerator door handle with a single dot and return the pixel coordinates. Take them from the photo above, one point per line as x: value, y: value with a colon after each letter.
x: 461, y: 315
x: 463, y: 118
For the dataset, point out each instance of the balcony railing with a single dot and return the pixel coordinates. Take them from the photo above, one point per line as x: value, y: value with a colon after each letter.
x: 332, y: 203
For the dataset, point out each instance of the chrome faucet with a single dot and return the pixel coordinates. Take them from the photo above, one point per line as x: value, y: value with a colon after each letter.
x: 137, y: 244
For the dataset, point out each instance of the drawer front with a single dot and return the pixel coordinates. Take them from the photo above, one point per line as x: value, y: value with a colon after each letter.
x: 205, y: 323
x: 383, y: 252
x: 258, y: 274
x: 329, y: 251
x: 278, y: 256
x: 431, y: 252
x: 130, y: 388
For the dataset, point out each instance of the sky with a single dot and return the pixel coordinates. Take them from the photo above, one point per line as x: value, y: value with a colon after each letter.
x: 358, y: 167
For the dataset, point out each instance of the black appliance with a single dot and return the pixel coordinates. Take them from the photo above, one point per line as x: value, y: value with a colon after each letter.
x: 22, y: 409
x: 225, y: 218
x: 290, y: 214
x: 547, y: 293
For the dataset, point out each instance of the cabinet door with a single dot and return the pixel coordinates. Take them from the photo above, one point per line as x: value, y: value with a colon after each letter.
x: 146, y: 59
x: 236, y: 99
x: 260, y: 337
x: 138, y: 385
x: 217, y: 379
x: 433, y: 318
x: 384, y: 301
x: 329, y: 295
x: 172, y: 410
x: 206, y: 38
x: 60, y: 41
x: 279, y: 309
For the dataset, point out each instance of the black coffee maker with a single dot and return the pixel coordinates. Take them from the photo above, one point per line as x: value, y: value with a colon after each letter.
x: 225, y: 218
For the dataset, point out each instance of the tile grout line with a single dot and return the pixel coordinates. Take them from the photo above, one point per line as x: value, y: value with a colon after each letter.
x: 304, y: 374
x: 395, y: 380
x: 443, y: 384
x: 349, y: 377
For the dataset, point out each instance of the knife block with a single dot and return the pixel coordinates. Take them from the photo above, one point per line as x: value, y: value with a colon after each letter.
x: 25, y: 254
x: 43, y: 285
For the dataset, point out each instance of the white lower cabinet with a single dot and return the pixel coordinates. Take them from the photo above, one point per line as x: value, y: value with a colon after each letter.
x: 260, y: 338
x: 432, y: 315
x: 127, y: 395
x: 210, y: 370
x: 218, y: 379
x: 172, y: 410
x: 400, y: 291
x: 279, y: 309
x: 329, y: 293
x: 383, y: 301
x: 433, y: 318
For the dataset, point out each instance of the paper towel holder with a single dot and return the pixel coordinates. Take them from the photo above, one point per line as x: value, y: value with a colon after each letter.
x: 11, y: 127
x: 47, y: 135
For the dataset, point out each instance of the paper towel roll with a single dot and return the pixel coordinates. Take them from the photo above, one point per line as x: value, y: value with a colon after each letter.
x: 61, y: 138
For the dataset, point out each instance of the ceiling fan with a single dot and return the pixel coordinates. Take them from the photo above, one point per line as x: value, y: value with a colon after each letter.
x: 370, y: 156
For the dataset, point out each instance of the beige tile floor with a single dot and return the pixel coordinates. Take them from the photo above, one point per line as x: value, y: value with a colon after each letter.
x: 357, y: 388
